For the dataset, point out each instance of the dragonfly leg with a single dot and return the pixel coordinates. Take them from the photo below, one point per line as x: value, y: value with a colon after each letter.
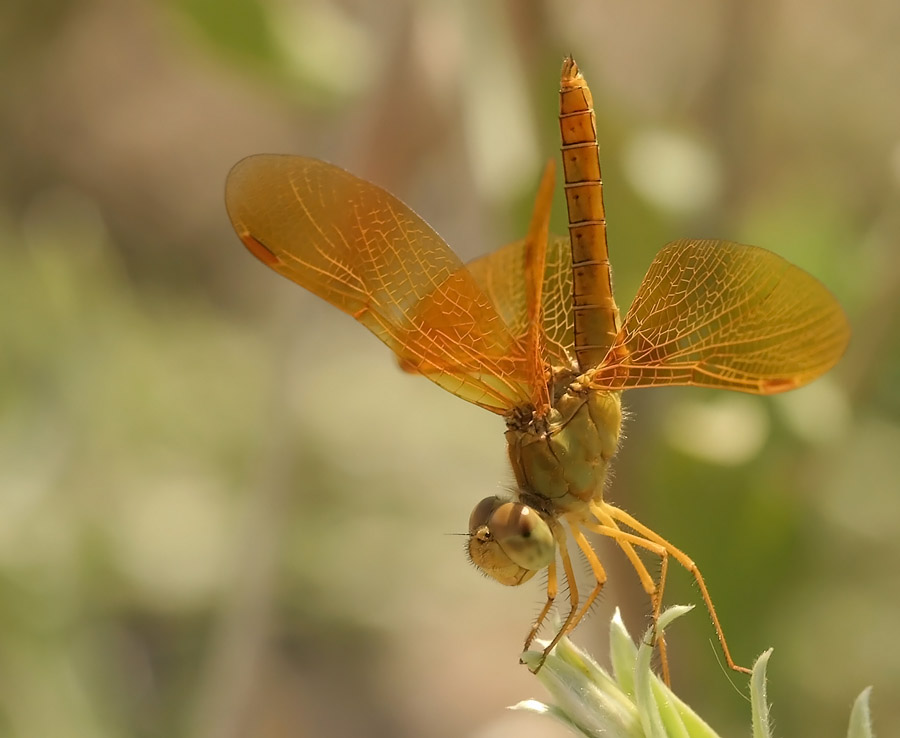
x: 627, y: 541
x: 596, y: 568
x: 682, y: 558
x: 560, y: 535
x: 552, y: 588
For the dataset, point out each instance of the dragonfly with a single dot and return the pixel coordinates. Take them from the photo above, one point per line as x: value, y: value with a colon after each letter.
x: 532, y: 333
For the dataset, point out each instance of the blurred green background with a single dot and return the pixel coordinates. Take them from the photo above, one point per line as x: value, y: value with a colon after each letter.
x: 223, y: 508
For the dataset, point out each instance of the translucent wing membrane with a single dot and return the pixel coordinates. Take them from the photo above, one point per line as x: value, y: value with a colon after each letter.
x: 535, y: 262
x: 719, y: 314
x: 364, y: 251
x: 501, y: 275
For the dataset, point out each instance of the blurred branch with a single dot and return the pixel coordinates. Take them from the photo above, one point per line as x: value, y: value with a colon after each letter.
x: 238, y: 645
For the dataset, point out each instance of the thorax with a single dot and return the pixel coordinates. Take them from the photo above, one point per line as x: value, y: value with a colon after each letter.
x: 560, y: 461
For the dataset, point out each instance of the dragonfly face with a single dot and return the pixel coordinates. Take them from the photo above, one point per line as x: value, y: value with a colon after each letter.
x: 532, y: 332
x: 509, y: 541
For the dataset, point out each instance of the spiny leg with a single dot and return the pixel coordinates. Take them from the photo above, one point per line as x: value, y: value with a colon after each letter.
x: 552, y: 588
x: 596, y: 568
x: 560, y: 535
x: 683, y: 559
x: 654, y: 590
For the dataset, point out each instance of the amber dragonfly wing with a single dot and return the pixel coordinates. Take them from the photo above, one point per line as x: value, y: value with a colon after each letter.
x: 535, y: 263
x: 368, y: 254
x: 502, y: 277
x: 719, y: 314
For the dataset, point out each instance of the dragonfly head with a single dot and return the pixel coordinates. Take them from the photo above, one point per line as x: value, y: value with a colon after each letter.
x: 509, y: 541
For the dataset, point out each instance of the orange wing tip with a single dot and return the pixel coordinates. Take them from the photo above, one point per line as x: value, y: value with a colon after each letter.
x: 407, y: 366
x: 570, y: 75
x: 774, y: 386
x: 260, y: 251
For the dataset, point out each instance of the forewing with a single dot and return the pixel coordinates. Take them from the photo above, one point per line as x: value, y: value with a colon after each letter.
x: 535, y: 263
x: 719, y: 314
x: 501, y: 275
x: 364, y: 251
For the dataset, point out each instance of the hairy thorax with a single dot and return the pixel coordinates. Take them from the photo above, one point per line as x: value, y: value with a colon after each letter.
x: 560, y: 461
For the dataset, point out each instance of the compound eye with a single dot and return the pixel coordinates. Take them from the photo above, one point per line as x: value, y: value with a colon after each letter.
x: 482, y: 513
x: 523, y: 535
